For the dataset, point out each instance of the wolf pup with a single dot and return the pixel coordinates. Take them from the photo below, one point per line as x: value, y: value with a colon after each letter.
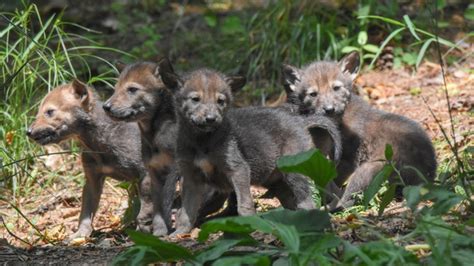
x: 326, y: 88
x: 232, y: 149
x: 109, y: 148
x: 141, y: 96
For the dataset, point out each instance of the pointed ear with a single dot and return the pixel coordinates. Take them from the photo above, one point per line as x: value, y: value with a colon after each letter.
x: 165, y: 70
x: 291, y: 76
x: 80, y: 91
x: 349, y: 64
x: 236, y: 82
x: 120, y: 66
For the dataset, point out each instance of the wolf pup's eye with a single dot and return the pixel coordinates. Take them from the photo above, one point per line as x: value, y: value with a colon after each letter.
x: 195, y: 99
x: 221, y: 101
x: 313, y: 94
x: 132, y: 90
x: 336, y: 88
x: 49, y: 112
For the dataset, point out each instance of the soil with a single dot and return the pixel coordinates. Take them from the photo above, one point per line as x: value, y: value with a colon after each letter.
x: 54, y: 209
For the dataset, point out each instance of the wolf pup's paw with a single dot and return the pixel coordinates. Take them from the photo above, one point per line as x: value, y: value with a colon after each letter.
x: 144, y: 227
x: 144, y: 223
x: 159, y: 226
x: 81, y: 233
x: 160, y: 231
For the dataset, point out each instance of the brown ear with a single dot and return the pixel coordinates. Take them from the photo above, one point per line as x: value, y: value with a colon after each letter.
x: 165, y: 70
x: 80, y: 91
x: 236, y: 82
x: 291, y: 76
x: 350, y: 63
x: 120, y: 66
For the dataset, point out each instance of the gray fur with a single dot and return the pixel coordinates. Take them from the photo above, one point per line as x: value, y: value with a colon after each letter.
x: 325, y: 88
x: 109, y: 148
x: 152, y: 106
x: 234, y: 149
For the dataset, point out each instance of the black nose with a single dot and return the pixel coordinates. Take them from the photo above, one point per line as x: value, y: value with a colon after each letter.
x: 211, y: 118
x: 107, y: 106
x: 329, y: 109
x: 29, y: 131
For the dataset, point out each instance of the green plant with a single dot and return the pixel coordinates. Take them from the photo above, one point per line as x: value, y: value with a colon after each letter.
x: 37, y: 55
x: 425, y: 40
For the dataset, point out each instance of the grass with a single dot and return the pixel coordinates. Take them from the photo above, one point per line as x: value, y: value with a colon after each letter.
x: 37, y: 55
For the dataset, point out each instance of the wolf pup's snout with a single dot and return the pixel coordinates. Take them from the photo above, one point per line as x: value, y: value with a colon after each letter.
x: 211, y: 118
x: 42, y: 136
x: 329, y: 109
x: 107, y: 106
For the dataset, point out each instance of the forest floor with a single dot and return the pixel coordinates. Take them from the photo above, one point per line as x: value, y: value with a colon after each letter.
x: 55, y: 210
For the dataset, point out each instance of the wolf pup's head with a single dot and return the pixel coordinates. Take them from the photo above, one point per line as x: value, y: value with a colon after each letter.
x: 202, y: 96
x: 138, y: 92
x: 62, y: 113
x: 321, y: 87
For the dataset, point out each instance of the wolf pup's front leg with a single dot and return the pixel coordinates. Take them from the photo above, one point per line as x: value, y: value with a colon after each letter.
x: 239, y: 175
x: 90, y: 201
x: 144, y: 217
x: 192, y: 194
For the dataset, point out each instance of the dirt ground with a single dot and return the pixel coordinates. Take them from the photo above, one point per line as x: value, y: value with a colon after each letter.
x: 55, y: 211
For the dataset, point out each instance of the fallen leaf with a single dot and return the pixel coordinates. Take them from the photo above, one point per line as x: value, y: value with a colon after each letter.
x: 78, y: 241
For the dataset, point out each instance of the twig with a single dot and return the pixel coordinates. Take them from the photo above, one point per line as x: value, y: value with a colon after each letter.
x: 27, y: 220
x: 416, y: 247
x: 453, y: 146
x: 13, y: 235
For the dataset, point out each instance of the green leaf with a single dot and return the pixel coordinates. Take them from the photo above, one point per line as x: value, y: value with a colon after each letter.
x: 411, y: 27
x: 388, y: 152
x: 133, y: 209
x: 371, y: 48
x: 216, y: 250
x: 137, y: 256
x: 231, y: 25
x: 412, y: 195
x: 312, y: 164
x: 440, y: 4
x: 381, y: 252
x: 318, y: 248
x: 241, y: 225
x: 443, y: 199
x: 211, y: 20
x: 348, y: 49
x: 387, y: 198
x: 469, y: 13
x: 305, y: 221
x: 384, y: 19
x: 167, y: 251
x: 422, y: 52
x: 363, y: 10
x: 289, y: 236
x: 409, y: 58
x: 376, y: 183
x: 362, y: 38
x: 252, y: 259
